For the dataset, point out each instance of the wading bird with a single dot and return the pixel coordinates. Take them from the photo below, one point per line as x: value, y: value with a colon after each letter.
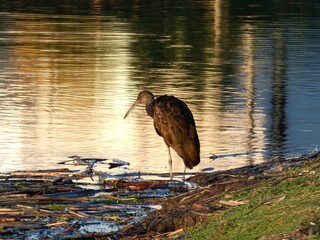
x: 173, y: 121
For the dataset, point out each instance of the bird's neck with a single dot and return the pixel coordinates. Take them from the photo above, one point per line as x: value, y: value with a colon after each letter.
x: 149, y: 108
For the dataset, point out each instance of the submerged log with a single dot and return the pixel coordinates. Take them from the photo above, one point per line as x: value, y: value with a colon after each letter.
x: 131, y: 185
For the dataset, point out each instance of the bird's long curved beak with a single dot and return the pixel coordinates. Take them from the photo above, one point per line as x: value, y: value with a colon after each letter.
x: 131, y: 108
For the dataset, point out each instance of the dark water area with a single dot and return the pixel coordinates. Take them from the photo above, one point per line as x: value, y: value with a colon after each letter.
x: 69, y: 70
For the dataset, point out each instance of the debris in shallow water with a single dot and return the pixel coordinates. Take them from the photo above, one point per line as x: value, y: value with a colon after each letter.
x: 54, y: 203
x: 43, y: 198
x: 77, y: 160
x: 213, y: 156
x: 140, y: 185
x: 208, y: 169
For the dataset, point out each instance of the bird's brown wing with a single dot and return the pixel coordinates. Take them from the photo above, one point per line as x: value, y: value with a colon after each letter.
x: 174, y: 122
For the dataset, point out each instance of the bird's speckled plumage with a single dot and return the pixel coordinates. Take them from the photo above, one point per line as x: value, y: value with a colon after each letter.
x: 174, y: 122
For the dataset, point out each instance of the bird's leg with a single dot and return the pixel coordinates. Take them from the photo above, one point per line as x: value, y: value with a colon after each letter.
x: 170, y: 163
x: 184, y: 173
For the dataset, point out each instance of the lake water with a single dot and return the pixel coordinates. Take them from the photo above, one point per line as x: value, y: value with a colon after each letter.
x: 69, y: 70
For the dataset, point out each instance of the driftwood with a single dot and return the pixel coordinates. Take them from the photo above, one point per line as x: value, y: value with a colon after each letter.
x: 36, y: 201
x: 90, y: 162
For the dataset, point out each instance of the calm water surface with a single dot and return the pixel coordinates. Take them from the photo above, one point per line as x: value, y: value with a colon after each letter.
x: 69, y: 70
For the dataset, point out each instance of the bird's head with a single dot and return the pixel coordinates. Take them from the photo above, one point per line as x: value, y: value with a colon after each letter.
x: 144, y: 97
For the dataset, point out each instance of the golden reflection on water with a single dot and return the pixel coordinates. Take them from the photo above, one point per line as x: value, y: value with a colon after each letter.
x: 63, y: 98
x: 68, y: 80
x: 72, y: 89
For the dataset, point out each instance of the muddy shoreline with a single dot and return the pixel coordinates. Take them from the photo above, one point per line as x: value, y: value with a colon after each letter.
x: 196, y: 206
x: 55, y: 204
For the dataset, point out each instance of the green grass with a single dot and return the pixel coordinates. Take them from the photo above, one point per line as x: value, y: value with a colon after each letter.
x: 272, y: 208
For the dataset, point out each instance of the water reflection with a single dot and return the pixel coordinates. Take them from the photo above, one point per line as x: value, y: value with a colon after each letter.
x: 279, y: 124
x: 70, y: 70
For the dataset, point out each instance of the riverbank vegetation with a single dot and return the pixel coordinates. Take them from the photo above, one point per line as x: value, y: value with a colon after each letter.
x: 286, y: 206
x: 270, y: 201
x: 277, y: 199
